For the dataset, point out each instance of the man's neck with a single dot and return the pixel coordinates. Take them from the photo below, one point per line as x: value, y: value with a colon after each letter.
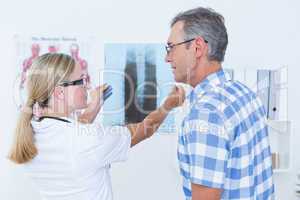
x: 203, y: 71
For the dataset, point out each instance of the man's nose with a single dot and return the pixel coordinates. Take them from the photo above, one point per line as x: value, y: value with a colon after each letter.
x: 167, y: 58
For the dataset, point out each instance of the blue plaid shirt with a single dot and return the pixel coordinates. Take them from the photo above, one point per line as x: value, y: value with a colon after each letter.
x: 223, y: 142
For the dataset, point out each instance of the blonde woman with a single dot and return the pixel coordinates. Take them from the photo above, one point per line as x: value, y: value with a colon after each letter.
x: 67, y: 159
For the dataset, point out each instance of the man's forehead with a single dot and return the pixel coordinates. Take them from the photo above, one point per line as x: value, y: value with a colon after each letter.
x: 178, y: 25
x: 176, y: 31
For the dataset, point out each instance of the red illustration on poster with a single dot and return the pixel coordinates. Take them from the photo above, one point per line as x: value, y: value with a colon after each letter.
x: 30, y: 47
x: 35, y: 51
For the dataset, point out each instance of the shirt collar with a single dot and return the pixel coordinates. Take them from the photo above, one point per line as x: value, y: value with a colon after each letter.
x: 209, y: 82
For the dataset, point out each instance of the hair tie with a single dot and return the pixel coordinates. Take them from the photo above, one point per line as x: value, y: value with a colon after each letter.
x: 36, y: 110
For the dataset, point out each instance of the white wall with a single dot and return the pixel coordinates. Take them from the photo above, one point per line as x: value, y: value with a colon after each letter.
x: 261, y: 33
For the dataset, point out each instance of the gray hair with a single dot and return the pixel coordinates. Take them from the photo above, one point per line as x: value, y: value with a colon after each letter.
x: 207, y: 23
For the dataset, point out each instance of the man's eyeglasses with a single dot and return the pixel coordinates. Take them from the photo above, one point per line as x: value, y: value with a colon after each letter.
x: 170, y: 46
x: 82, y: 81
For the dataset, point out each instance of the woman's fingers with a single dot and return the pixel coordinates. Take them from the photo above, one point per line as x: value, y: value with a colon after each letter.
x: 179, y: 95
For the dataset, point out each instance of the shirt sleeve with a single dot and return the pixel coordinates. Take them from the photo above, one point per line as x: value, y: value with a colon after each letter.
x: 207, y: 147
x: 104, y: 144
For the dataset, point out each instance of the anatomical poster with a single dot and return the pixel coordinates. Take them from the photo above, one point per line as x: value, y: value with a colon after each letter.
x: 30, y: 47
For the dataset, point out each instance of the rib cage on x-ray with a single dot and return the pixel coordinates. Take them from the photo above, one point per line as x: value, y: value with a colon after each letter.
x: 143, y: 63
x: 140, y: 84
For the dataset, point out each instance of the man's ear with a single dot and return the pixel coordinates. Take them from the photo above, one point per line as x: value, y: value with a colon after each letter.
x: 201, y: 47
x: 59, y: 93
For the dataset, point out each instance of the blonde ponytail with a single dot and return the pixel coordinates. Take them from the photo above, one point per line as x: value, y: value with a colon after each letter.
x: 24, y: 148
x: 45, y: 73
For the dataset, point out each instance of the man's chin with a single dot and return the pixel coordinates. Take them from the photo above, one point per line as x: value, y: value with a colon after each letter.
x: 179, y: 80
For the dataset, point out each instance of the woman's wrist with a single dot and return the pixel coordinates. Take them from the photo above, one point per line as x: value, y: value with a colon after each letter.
x: 167, y: 106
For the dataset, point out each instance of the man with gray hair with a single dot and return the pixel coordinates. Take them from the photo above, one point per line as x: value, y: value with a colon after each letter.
x: 223, y: 146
